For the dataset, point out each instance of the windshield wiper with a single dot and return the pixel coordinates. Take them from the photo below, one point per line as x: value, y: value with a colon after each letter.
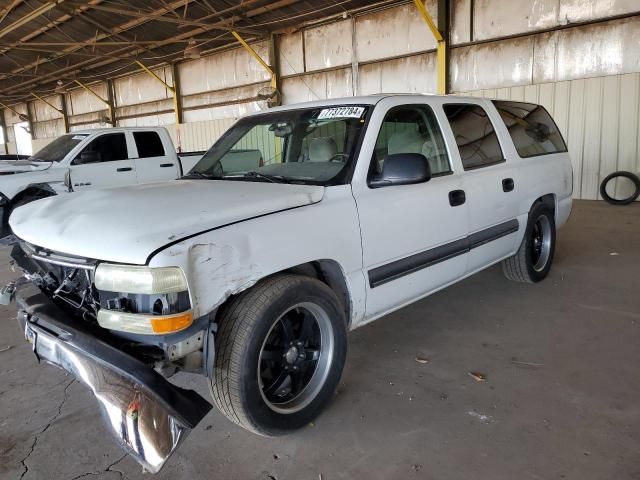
x: 253, y: 174
x: 196, y: 174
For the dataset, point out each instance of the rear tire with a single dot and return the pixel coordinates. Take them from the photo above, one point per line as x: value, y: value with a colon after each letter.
x: 532, y: 262
x: 280, y: 351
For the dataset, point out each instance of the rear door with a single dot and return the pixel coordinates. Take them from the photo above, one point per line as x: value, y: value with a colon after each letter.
x: 154, y: 162
x: 489, y: 182
x: 413, y: 236
x: 113, y: 167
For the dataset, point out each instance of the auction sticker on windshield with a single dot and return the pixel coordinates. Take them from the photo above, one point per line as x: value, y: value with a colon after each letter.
x: 341, y: 112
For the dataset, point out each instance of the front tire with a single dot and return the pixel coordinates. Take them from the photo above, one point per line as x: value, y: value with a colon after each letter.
x: 280, y: 351
x: 533, y: 260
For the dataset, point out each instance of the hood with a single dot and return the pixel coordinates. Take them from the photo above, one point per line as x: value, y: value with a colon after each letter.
x: 19, y: 166
x: 127, y: 224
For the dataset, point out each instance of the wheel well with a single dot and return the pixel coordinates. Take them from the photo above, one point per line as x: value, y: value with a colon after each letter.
x: 549, y: 200
x: 330, y: 273
x: 33, y: 193
x: 327, y: 271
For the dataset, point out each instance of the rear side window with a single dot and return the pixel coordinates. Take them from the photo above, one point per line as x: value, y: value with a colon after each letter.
x: 148, y: 144
x: 532, y: 129
x: 475, y: 136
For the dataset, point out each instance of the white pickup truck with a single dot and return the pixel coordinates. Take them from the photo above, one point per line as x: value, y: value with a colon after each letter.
x: 252, y: 277
x: 91, y: 159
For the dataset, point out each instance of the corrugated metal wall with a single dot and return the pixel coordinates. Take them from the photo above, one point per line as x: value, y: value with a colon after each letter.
x: 599, y: 119
x: 586, y: 74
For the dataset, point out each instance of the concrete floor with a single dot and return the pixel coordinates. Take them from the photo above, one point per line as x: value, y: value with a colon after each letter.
x: 560, y: 400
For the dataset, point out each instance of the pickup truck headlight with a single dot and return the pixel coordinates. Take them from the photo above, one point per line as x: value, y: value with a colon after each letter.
x: 132, y: 279
x: 143, y: 300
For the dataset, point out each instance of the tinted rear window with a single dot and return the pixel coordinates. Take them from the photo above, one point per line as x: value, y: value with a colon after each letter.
x: 148, y: 144
x: 475, y: 136
x: 532, y: 129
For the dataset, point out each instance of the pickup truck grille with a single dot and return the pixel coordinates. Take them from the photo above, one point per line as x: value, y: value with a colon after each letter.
x: 66, y: 279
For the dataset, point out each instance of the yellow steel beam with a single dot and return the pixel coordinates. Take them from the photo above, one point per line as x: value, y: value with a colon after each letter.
x: 255, y: 55
x: 172, y: 89
x: 441, y: 49
x: 21, y: 116
x: 48, y: 103
x: 93, y: 93
x: 106, y: 102
x: 167, y: 86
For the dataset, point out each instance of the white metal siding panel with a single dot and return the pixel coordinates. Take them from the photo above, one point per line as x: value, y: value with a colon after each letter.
x: 507, y: 17
x: 628, y: 127
x: 223, y: 70
x: 328, y: 46
x: 290, y: 52
x: 393, y: 32
x: 492, y: 65
x: 598, y: 117
x: 142, y: 87
x: 580, y: 10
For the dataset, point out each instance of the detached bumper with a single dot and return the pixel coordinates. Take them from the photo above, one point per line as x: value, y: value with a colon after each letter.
x: 148, y: 415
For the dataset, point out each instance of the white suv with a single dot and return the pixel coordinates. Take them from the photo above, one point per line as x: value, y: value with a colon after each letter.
x: 252, y: 277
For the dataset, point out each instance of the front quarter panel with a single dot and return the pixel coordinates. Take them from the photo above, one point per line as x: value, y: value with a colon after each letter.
x: 230, y: 259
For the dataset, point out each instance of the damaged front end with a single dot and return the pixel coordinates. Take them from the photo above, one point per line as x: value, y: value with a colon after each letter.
x: 57, y: 309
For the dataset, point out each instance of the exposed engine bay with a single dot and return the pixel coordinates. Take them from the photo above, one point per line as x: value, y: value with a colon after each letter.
x: 69, y: 282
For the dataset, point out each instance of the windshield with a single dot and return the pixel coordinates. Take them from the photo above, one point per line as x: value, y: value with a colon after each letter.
x: 313, y: 145
x: 58, y: 149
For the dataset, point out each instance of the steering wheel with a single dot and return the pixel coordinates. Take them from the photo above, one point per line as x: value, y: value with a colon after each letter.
x: 339, y: 157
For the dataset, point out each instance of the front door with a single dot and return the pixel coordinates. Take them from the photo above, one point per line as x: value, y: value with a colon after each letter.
x: 110, y: 164
x: 413, y: 236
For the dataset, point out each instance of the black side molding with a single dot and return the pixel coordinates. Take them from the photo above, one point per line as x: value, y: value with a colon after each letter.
x: 413, y: 263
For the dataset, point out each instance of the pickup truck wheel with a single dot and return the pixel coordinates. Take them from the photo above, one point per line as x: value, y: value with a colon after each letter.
x: 280, y: 350
x: 533, y: 260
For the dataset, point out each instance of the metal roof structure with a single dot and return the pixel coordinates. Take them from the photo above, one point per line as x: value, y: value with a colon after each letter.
x: 46, y: 44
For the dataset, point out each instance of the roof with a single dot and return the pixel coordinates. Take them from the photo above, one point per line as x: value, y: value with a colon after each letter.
x: 361, y: 100
x: 46, y: 41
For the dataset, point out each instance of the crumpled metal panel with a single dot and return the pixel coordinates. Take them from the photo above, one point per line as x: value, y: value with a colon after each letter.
x: 290, y: 53
x: 393, y: 32
x: 328, y: 45
x: 142, y: 87
x: 223, y: 70
x: 415, y: 74
x: 488, y: 65
x: 315, y: 86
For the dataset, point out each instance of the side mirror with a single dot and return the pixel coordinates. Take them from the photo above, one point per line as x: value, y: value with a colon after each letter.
x: 67, y: 180
x: 89, y: 157
x: 402, y: 169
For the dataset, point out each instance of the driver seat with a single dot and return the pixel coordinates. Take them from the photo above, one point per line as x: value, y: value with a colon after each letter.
x: 322, y: 149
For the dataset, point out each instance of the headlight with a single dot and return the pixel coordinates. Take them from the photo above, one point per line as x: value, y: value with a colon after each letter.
x: 132, y: 279
x: 143, y: 300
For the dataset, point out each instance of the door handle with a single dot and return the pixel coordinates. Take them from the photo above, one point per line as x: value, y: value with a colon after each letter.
x: 124, y: 169
x: 82, y: 184
x: 457, y: 197
x: 507, y: 185
x: 166, y: 165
